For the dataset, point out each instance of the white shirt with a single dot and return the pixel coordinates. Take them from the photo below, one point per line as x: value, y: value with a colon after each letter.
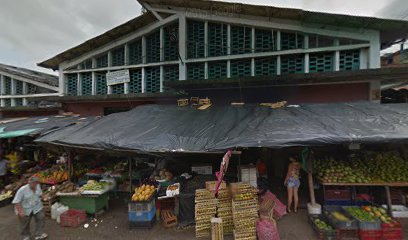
x: 29, y: 200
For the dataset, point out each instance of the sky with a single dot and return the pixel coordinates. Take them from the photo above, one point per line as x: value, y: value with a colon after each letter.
x: 35, y: 30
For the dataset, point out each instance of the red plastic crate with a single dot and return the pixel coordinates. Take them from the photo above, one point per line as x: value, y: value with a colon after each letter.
x: 392, y: 231
x: 370, y: 234
x: 72, y: 218
x: 347, y: 234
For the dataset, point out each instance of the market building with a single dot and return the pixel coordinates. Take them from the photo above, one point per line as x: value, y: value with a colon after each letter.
x: 228, y: 52
x: 20, y: 90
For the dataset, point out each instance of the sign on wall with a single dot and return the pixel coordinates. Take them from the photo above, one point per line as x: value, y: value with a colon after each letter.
x: 117, y: 77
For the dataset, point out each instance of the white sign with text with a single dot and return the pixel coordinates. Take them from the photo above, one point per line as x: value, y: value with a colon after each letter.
x: 117, y: 77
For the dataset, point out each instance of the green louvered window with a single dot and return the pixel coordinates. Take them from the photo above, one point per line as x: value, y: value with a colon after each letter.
x: 241, y: 68
x: 135, y: 52
x: 170, y: 74
x: 265, y: 40
x: 102, y: 61
x: 101, y: 88
x: 32, y: 89
x: 87, y: 64
x: 7, y: 102
x: 135, y: 84
x: 153, y: 79
x: 321, y: 62
x: 241, y: 40
x: 72, y: 84
x: 292, y: 64
x: 118, y: 57
x: 217, y: 70
x: 118, y: 89
x: 217, y: 39
x: 350, y: 60
x: 291, y: 41
x: 265, y: 66
x: 153, y: 47
x: 170, y: 42
x: 195, y: 71
x: 195, y: 39
x: 18, y: 101
x: 19, y: 87
x: 7, y: 85
x: 86, y: 83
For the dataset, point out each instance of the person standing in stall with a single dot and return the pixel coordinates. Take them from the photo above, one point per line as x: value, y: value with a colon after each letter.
x: 292, y: 182
x: 3, y: 170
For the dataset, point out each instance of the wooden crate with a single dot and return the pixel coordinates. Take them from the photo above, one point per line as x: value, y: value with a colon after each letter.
x: 210, y: 185
x: 182, y: 102
x: 47, y: 206
x: 217, y: 232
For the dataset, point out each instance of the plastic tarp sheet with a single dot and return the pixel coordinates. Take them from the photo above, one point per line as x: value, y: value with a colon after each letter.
x: 165, y: 128
x: 38, y: 125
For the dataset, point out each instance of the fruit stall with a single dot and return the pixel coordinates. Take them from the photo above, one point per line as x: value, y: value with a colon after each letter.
x: 367, y: 169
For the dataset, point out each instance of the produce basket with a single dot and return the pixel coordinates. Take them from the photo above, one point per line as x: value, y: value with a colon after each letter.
x: 340, y: 218
x: 323, y: 234
x: 373, y: 224
x: 72, y: 218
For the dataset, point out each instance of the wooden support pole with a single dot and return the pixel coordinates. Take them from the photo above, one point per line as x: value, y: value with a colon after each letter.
x: 389, y: 202
x: 311, y: 189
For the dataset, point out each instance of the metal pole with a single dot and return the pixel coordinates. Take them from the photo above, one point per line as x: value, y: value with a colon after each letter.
x: 130, y: 175
x: 389, y: 203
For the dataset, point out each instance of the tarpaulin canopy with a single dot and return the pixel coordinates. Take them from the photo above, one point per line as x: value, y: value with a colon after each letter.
x: 164, y: 128
x: 34, y: 126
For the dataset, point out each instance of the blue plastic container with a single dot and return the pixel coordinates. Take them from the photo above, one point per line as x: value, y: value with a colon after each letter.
x: 140, y: 216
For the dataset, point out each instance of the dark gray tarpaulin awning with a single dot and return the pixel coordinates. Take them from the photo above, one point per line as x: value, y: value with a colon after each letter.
x: 163, y: 128
x: 34, y: 126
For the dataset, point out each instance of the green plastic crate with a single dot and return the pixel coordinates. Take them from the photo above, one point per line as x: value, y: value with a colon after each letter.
x: 86, y: 84
x: 217, y: 70
x: 241, y: 68
x: 195, y: 71
x: 91, y: 205
x: 153, y: 47
x: 170, y: 42
x: 241, y: 40
x: 195, y: 39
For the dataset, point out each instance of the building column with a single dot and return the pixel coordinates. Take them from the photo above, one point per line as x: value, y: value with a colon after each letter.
x: 2, y: 90
x: 93, y: 83
x: 336, y: 56
x: 13, y: 92
x: 364, y: 58
x: 143, y: 80
x: 307, y: 60
x: 161, y: 78
x: 253, y: 51
x: 278, y: 48
x: 25, y: 92
x: 182, y: 47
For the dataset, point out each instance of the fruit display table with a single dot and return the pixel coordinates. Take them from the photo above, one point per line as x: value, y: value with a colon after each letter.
x: 385, y: 185
x: 92, y: 204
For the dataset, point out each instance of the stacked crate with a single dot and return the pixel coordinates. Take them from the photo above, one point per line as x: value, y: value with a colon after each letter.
x: 205, y: 209
x: 207, y: 206
x: 244, y: 211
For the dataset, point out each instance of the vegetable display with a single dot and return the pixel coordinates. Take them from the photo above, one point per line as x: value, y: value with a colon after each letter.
x: 143, y: 193
x: 367, y: 168
x: 322, y: 225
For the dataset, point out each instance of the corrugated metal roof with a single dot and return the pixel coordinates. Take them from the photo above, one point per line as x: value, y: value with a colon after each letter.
x: 30, y: 74
x: 391, y: 30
